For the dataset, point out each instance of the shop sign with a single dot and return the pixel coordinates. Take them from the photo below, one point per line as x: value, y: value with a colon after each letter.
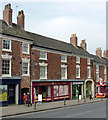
x: 77, y: 83
x: 39, y: 97
x: 3, y: 93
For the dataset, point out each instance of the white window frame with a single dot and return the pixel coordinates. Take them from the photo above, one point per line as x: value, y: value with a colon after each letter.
x: 89, y: 75
x: 77, y: 58
x: 28, y: 52
x: 44, y: 65
x: 65, y: 67
x: 45, y: 56
x: 65, y: 58
x: 97, y: 68
x: 8, y: 50
x: 78, y: 66
x: 25, y: 60
x: 7, y: 57
x: 105, y: 73
x: 88, y: 61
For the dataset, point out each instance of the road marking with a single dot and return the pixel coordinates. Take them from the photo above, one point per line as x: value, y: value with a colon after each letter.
x: 78, y: 114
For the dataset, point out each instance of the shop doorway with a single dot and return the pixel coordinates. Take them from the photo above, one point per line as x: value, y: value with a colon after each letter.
x: 24, y: 90
x: 76, y: 91
x: 88, y: 87
x: 11, y: 89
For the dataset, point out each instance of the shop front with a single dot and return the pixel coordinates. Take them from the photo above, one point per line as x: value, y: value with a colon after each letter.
x: 51, y: 90
x: 10, y: 91
x: 77, y: 89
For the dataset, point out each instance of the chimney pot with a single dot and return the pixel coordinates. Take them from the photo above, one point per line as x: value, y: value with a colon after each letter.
x: 105, y: 54
x: 83, y: 44
x: 7, y: 14
x: 99, y: 52
x: 21, y: 18
x: 73, y: 40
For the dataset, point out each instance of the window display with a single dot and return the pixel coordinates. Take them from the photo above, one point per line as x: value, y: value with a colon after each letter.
x: 3, y: 93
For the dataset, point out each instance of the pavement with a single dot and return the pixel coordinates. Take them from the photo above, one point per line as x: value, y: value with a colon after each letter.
x: 12, y: 110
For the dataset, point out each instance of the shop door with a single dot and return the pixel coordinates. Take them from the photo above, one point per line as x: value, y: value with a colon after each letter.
x: 11, y: 94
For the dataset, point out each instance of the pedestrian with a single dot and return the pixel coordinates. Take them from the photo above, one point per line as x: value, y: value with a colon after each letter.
x: 90, y: 95
x: 25, y: 99
x: 28, y: 99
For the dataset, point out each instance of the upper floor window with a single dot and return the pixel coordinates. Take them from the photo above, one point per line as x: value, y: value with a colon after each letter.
x: 77, y: 71
x: 77, y: 59
x: 63, y: 58
x: 88, y: 72
x: 25, y: 68
x: 6, y: 45
x: 26, y: 48
x: 88, y: 61
x: 104, y: 69
x: 6, y: 67
x: 63, y: 72
x: 43, y: 55
x: 97, y: 67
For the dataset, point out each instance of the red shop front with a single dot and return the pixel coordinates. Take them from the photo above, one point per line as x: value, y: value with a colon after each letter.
x: 51, y: 91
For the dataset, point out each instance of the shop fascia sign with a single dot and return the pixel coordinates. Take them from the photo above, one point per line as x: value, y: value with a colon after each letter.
x: 77, y: 83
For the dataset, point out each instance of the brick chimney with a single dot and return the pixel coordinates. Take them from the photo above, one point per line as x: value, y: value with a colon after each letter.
x: 105, y: 54
x: 73, y: 40
x: 7, y: 14
x: 99, y: 52
x: 21, y: 18
x: 83, y: 44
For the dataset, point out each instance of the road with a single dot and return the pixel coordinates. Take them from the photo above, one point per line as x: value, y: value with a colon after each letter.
x: 92, y: 110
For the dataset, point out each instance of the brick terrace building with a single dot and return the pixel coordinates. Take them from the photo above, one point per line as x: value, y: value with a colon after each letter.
x: 42, y: 65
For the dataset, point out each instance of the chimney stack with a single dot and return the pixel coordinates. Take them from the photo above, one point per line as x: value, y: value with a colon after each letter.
x: 99, y: 52
x: 7, y: 14
x: 105, y: 54
x: 83, y: 44
x: 21, y: 18
x: 73, y: 40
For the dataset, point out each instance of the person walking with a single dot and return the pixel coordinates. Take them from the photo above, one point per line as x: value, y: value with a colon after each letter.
x: 25, y: 99
x: 28, y: 99
x: 90, y: 95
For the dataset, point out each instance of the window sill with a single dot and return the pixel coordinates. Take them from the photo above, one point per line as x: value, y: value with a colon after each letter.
x: 64, y: 61
x: 25, y: 75
x: 43, y: 78
x: 6, y: 75
x: 63, y: 78
x: 6, y: 50
x: 26, y: 53
x: 77, y: 77
x: 42, y: 58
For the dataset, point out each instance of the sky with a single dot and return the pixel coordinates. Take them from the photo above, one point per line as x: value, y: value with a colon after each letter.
x: 59, y: 19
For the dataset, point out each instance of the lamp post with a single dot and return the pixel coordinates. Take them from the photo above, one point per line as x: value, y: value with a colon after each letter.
x: 78, y: 93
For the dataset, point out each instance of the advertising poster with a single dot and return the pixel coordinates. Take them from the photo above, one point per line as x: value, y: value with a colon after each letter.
x: 3, y: 93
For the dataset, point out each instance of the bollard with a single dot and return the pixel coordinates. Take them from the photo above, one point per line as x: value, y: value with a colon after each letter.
x: 64, y: 102
x: 35, y: 105
x: 84, y: 99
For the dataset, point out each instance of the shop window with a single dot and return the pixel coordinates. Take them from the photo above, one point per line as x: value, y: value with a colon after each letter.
x: 6, y: 67
x: 97, y: 68
x: 6, y: 45
x: 56, y: 91
x: 26, y: 48
x: 3, y: 93
x: 48, y: 91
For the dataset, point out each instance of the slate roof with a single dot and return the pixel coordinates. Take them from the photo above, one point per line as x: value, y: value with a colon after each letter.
x: 99, y: 60
x: 46, y: 42
x: 15, y: 30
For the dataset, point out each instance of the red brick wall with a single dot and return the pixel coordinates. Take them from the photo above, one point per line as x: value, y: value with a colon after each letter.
x: 101, y: 72
x: 54, y: 66
x: 83, y: 68
x: 71, y: 67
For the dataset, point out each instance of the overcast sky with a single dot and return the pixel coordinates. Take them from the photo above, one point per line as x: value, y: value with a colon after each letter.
x: 60, y: 18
